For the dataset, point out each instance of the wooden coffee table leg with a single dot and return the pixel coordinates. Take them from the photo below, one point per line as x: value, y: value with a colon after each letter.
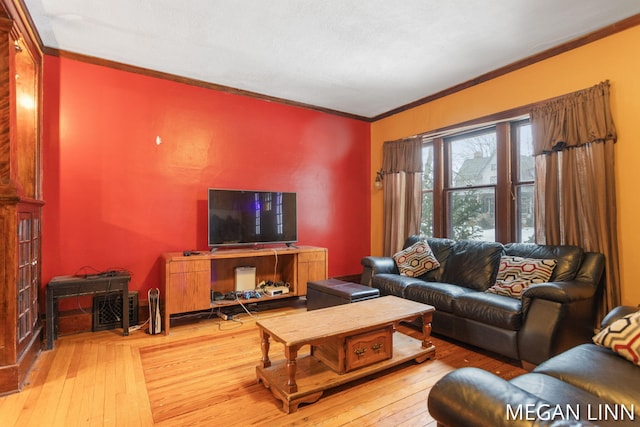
x: 291, y: 354
x: 426, y: 330
x: 264, y: 346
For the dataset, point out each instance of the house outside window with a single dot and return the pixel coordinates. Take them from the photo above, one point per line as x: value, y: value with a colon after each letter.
x: 478, y: 184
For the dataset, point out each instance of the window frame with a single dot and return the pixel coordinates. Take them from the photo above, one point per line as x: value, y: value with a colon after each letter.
x: 507, y: 163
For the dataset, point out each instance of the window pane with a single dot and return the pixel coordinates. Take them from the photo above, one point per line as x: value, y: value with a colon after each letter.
x: 472, y: 160
x: 525, y: 227
x: 426, y: 225
x: 526, y: 169
x: 472, y: 214
x: 526, y: 230
x: 427, y: 175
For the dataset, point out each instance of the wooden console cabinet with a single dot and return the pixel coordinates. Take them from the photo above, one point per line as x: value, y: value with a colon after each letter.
x: 187, y: 281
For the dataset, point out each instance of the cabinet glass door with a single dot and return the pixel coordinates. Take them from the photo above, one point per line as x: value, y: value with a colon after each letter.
x: 28, y: 275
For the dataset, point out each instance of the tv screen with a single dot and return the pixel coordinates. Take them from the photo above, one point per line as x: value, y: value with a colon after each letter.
x: 244, y: 217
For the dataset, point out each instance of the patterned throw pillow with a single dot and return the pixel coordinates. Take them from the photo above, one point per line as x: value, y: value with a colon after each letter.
x: 623, y: 337
x: 511, y: 288
x: 531, y: 269
x: 516, y: 274
x: 415, y: 260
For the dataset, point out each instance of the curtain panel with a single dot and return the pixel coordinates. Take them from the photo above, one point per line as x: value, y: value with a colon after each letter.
x: 573, y: 120
x: 402, y: 186
x: 573, y: 138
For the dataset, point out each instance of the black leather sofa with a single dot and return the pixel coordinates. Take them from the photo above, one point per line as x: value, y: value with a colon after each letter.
x: 548, y: 319
x: 583, y: 386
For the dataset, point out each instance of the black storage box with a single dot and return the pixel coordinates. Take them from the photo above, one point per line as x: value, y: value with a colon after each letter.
x: 330, y: 292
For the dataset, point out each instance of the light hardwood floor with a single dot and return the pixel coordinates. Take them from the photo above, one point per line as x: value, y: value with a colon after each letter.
x: 203, y: 373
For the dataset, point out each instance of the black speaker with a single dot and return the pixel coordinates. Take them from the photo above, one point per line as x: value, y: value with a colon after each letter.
x: 107, y: 311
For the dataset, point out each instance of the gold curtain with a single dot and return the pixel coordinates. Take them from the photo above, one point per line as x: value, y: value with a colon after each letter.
x: 573, y: 139
x: 402, y: 186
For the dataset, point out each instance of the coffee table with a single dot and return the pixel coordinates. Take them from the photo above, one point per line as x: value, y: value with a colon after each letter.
x: 347, y: 342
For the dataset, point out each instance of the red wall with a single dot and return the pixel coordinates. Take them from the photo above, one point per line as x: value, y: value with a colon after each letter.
x: 116, y: 199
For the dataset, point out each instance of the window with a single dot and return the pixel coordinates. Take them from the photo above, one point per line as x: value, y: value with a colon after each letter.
x: 523, y: 181
x: 478, y: 184
x: 426, y: 225
x: 468, y: 190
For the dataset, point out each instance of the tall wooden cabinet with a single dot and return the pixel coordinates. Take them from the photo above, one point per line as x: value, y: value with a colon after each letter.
x: 20, y: 197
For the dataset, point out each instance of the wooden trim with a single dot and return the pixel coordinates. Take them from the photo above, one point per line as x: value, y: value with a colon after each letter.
x: 439, y: 223
x: 503, y: 206
x: 5, y: 24
x: 554, y: 51
x: 193, y: 82
x: 18, y: 12
x: 6, y: 185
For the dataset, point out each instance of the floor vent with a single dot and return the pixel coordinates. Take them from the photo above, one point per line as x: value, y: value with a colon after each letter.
x: 107, y: 311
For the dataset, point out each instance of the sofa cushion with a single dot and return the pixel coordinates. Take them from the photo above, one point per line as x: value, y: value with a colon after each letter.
x: 623, y: 337
x: 416, y: 260
x: 411, y: 240
x: 473, y: 264
x: 569, y: 257
x: 439, y: 295
x: 496, y: 310
x: 598, y: 371
x: 392, y: 284
x: 441, y: 250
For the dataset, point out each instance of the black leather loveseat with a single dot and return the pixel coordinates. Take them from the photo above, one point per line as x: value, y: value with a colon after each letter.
x: 586, y: 385
x: 548, y: 318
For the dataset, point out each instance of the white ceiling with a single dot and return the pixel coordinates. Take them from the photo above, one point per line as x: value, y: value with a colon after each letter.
x: 361, y: 57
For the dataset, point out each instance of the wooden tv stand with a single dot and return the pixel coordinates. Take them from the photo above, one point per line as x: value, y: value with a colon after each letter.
x: 187, y: 281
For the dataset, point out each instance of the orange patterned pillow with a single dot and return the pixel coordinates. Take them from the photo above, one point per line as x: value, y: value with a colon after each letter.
x: 415, y: 260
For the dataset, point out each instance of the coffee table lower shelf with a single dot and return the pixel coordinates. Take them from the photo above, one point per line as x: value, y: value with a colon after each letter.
x: 314, y: 377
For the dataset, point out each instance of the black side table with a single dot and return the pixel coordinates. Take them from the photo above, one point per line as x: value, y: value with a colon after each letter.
x: 72, y: 286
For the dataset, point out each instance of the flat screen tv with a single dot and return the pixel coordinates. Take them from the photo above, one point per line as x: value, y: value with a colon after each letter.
x: 247, y: 217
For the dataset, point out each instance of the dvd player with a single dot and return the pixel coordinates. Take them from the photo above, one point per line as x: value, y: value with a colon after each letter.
x: 273, y: 291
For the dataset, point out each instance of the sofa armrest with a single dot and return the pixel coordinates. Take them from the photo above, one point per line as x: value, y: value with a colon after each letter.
x: 583, y: 286
x: 562, y: 292
x: 474, y: 397
x: 617, y: 313
x: 557, y: 316
x: 560, y: 315
x: 373, y: 265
